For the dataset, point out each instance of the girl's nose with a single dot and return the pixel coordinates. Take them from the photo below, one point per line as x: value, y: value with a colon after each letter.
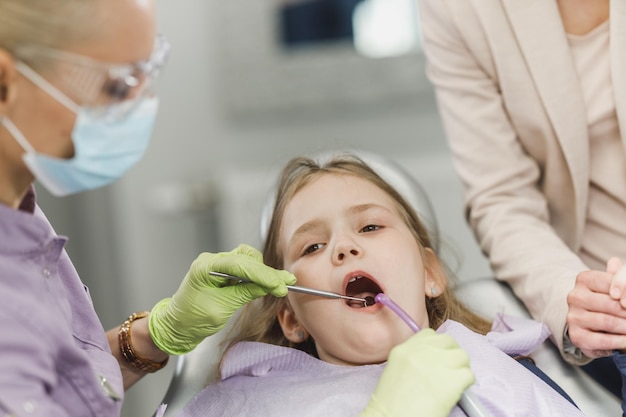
x: 345, y: 249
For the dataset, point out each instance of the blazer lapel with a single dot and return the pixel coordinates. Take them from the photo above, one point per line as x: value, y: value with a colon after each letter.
x: 618, y: 61
x: 545, y: 48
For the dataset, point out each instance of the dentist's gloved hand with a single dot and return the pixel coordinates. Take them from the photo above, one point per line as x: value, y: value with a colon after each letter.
x: 424, y: 376
x: 203, y: 303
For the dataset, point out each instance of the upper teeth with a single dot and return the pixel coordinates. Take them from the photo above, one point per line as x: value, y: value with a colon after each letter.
x: 355, y: 278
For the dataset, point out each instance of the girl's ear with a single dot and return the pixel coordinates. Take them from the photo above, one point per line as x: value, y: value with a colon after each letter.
x: 435, y: 281
x: 292, y: 329
x: 7, y: 80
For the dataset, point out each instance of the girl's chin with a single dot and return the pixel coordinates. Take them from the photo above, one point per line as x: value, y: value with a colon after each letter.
x: 393, y: 334
x: 358, y: 361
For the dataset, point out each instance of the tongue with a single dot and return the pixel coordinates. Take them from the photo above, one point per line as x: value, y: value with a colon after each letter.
x: 355, y: 303
x: 360, y: 304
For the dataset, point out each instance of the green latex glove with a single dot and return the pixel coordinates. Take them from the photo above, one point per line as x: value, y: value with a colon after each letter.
x: 203, y: 303
x: 424, y: 376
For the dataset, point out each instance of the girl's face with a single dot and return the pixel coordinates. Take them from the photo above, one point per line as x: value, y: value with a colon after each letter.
x: 343, y: 234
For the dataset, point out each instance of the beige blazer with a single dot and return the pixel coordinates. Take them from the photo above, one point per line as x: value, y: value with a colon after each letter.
x: 513, y: 111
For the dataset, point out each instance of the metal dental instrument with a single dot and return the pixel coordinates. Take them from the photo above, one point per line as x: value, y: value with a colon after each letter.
x: 303, y: 290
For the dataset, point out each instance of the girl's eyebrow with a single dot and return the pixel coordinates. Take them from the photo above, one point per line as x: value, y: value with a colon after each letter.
x: 316, y: 223
x: 359, y: 208
x: 304, y: 229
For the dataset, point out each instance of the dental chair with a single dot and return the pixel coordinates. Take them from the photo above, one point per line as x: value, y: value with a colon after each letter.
x: 484, y: 295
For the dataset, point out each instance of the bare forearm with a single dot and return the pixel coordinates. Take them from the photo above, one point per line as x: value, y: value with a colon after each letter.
x: 142, y: 345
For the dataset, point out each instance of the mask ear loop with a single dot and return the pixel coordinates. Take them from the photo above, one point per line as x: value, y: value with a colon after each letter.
x: 17, y: 134
x: 45, y: 85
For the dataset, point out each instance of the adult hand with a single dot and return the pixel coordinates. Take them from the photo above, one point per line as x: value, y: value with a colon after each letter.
x: 425, y: 376
x: 596, y: 320
x: 203, y: 303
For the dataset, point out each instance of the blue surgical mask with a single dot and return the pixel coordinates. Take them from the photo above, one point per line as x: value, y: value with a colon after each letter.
x: 103, y: 150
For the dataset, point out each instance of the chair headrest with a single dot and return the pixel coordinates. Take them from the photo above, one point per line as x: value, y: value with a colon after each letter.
x: 392, y: 173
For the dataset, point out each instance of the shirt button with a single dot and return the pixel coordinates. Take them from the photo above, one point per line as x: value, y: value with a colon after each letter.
x: 46, y: 272
x: 108, y: 388
x: 29, y: 406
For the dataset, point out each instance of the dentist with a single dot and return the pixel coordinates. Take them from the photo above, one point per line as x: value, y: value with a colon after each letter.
x: 76, y: 113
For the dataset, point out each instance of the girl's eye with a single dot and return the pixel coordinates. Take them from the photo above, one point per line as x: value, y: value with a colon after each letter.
x: 313, y: 248
x: 370, y: 228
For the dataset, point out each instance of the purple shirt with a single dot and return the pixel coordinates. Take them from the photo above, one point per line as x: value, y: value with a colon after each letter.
x: 55, y: 359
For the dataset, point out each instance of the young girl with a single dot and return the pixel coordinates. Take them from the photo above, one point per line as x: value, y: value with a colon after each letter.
x: 339, y: 227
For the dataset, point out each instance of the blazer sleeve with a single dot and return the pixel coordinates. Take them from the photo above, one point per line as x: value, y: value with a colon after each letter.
x: 504, y: 203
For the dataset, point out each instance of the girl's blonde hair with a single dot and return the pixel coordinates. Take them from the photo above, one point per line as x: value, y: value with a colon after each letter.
x: 50, y: 23
x: 258, y: 321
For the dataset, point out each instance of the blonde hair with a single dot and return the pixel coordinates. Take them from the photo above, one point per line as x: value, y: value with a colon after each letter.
x: 50, y: 23
x: 258, y: 321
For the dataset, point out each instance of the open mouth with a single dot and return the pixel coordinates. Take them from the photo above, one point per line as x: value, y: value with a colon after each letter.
x: 361, y: 287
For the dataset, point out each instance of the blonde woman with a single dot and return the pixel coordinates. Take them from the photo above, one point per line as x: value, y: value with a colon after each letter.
x: 339, y: 227
x: 76, y: 113
x: 531, y: 95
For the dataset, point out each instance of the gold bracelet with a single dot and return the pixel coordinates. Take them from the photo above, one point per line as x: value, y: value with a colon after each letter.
x: 126, y: 346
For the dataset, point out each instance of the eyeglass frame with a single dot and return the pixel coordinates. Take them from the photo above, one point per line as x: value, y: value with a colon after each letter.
x: 130, y: 74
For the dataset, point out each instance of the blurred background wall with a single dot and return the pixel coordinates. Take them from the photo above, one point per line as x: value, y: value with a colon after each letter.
x: 237, y: 100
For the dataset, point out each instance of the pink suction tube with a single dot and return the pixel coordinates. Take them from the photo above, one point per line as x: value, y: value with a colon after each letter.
x: 468, y: 402
x: 388, y: 302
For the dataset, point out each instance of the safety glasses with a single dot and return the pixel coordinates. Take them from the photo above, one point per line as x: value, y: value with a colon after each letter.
x: 111, y: 91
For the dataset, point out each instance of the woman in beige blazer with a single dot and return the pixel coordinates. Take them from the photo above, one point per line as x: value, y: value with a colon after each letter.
x: 532, y: 94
